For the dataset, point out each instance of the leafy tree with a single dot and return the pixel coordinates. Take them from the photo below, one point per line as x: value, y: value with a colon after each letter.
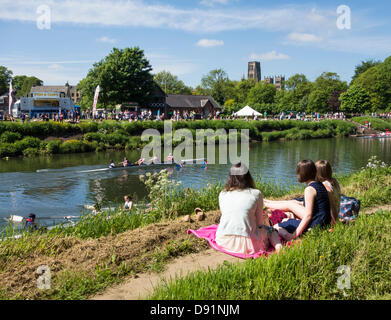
x: 124, y: 76
x: 217, y: 84
x: 324, y: 87
x: 262, y: 92
x: 27, y: 84
x: 171, y: 84
x: 355, y: 100
x: 377, y: 81
x: 5, y: 78
x: 364, y: 66
x: 242, y: 88
x: 334, y: 103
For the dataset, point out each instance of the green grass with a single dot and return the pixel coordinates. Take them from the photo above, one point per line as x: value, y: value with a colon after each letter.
x: 376, y: 123
x: 305, y: 271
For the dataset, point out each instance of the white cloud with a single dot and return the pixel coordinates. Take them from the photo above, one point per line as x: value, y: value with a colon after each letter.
x: 272, y: 55
x: 106, y: 40
x: 209, y: 43
x: 138, y: 13
x: 304, y: 37
x: 293, y: 20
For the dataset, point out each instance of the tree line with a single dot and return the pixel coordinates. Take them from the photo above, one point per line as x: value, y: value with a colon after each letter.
x: 125, y: 75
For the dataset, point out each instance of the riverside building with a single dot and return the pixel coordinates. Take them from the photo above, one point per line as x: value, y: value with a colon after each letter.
x: 45, y: 100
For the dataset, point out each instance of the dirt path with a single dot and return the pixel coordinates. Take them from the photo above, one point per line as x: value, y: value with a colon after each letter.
x: 143, y: 285
x: 140, y: 287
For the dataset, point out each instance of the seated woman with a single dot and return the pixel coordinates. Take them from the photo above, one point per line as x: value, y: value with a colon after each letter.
x: 244, y: 227
x: 324, y: 174
x: 128, y: 202
x: 316, y: 208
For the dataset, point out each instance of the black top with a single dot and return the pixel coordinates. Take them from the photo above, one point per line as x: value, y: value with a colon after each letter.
x: 321, y: 212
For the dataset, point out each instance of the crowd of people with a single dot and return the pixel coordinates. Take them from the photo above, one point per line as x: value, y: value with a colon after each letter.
x: 176, y: 115
x: 248, y: 223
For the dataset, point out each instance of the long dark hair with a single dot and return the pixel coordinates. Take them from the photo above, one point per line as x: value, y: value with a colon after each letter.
x: 239, y: 178
x: 305, y: 171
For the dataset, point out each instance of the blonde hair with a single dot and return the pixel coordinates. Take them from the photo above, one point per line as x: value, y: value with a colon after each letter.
x: 323, y: 171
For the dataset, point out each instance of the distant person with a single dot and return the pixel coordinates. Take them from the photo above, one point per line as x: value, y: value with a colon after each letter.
x: 112, y: 164
x: 141, y: 162
x: 126, y: 162
x: 31, y: 225
x: 324, y: 174
x: 128, y: 203
x: 244, y: 227
x: 170, y: 158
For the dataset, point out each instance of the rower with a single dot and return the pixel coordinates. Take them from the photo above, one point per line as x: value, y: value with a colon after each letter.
x: 140, y: 162
x: 112, y: 164
x: 126, y: 162
x: 170, y: 158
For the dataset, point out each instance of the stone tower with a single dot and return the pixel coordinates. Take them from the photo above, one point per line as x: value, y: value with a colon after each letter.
x: 254, y: 70
x: 279, y: 82
x: 269, y: 80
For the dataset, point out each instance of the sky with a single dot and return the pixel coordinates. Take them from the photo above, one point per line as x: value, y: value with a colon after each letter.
x: 58, y: 41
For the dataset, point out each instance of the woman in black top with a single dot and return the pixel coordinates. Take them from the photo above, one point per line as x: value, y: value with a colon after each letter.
x: 316, y: 208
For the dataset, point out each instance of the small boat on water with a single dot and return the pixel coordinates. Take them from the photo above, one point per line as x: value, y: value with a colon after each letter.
x: 180, y: 164
x: 378, y: 136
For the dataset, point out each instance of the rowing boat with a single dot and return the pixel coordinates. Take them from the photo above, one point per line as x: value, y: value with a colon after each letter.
x: 152, y: 165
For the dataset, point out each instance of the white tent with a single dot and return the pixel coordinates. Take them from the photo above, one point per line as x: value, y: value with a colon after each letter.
x: 247, y: 111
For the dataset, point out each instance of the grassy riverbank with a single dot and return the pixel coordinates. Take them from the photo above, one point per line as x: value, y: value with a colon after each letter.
x: 99, y: 252
x: 376, y: 123
x: 35, y: 138
x: 306, y: 271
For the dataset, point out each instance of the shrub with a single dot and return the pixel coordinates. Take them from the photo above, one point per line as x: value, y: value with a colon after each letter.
x: 10, y: 137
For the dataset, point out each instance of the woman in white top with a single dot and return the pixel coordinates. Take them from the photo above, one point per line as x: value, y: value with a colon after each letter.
x: 244, y: 227
x: 324, y: 174
x: 128, y: 203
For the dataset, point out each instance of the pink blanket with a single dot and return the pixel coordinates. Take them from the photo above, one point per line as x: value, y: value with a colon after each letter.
x: 209, y: 234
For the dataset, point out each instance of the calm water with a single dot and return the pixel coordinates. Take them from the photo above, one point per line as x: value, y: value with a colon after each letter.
x: 61, y: 189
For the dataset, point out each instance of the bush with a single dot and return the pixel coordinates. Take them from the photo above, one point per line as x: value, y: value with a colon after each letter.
x: 10, y: 137
x: 53, y: 146
x: 31, y: 152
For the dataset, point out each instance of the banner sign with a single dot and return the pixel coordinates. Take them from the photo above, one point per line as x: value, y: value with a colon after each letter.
x: 95, y: 100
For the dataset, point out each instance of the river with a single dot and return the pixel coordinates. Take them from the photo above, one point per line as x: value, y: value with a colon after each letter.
x: 61, y: 189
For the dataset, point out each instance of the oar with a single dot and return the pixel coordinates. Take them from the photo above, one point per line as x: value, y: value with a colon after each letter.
x: 95, y: 170
x: 15, y: 218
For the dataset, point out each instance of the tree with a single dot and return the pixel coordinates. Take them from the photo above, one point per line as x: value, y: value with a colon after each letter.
x: 26, y: 84
x: 5, y: 78
x: 217, y: 84
x: 242, y: 88
x: 364, y: 66
x: 261, y: 93
x: 377, y: 81
x: 324, y: 87
x: 124, y: 76
x: 334, y: 103
x: 171, y: 84
x: 355, y: 100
